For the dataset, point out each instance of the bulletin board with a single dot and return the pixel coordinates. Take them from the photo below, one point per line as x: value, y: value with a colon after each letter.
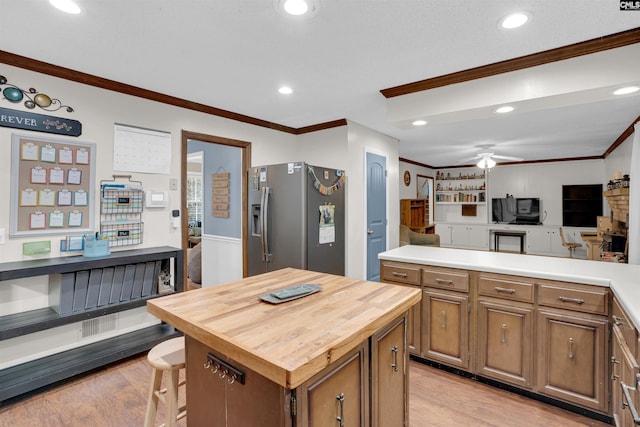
x: 52, y: 188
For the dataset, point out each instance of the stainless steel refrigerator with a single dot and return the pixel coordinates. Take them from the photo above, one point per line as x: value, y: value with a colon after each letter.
x: 296, y: 218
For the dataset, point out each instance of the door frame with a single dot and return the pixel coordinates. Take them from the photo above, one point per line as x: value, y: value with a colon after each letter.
x: 245, y: 148
x: 366, y: 197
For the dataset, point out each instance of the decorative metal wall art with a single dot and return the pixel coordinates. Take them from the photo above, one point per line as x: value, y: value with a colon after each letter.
x: 14, y: 94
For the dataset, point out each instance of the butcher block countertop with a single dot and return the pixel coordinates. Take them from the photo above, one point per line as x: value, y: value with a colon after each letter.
x: 289, y: 342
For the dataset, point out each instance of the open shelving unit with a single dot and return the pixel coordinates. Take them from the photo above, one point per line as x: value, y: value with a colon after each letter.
x: 470, y: 189
x: 34, y: 374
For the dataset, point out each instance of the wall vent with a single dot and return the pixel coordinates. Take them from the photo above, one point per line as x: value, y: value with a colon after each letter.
x: 98, y: 325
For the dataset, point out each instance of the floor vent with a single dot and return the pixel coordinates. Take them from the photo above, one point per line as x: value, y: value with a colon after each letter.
x: 98, y: 325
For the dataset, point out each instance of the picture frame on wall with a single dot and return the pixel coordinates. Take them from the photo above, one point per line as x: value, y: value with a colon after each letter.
x: 42, y: 186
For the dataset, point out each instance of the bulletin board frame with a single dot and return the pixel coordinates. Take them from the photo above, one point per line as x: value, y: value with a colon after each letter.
x: 52, y: 186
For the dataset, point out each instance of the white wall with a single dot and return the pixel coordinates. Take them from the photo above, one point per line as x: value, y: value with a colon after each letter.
x: 411, y: 191
x: 98, y: 110
x: 544, y: 180
x: 361, y: 140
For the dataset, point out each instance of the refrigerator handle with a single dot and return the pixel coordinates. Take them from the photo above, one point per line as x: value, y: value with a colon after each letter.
x: 264, y: 212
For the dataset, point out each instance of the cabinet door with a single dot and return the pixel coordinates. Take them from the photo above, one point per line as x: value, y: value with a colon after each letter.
x: 617, y: 358
x: 477, y: 237
x: 571, y: 358
x: 628, y: 368
x: 389, y: 387
x: 505, y: 335
x: 538, y: 242
x: 337, y: 397
x: 459, y: 236
x: 445, y: 336
x: 445, y: 234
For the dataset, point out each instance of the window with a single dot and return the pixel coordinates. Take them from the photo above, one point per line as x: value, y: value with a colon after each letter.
x: 194, y: 198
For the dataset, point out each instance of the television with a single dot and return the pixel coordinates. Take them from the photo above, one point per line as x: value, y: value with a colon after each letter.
x: 511, y: 210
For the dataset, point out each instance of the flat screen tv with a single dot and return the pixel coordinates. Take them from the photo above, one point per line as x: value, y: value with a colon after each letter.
x: 511, y: 210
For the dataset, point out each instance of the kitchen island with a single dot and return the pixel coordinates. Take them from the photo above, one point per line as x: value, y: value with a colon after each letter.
x: 336, y: 357
x: 556, y: 328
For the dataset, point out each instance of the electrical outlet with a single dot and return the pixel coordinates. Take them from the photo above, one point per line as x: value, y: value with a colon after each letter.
x: 2, y: 240
x: 173, y: 184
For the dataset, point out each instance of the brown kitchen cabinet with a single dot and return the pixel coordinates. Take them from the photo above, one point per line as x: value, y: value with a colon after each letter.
x: 338, y: 396
x: 390, y: 386
x: 572, y: 343
x: 624, y: 367
x: 505, y: 329
x: 445, y: 316
x: 407, y: 275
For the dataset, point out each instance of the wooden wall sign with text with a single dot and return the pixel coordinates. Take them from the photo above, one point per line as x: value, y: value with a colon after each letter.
x: 220, y: 195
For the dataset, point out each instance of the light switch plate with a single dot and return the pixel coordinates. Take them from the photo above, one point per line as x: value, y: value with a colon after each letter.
x: 173, y: 184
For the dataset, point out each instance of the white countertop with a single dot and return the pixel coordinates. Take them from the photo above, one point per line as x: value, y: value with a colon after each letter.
x: 623, y: 279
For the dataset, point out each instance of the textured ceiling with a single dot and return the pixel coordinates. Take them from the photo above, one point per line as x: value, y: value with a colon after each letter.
x: 234, y: 54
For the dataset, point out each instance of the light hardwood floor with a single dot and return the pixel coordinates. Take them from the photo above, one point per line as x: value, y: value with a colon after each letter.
x: 117, y: 396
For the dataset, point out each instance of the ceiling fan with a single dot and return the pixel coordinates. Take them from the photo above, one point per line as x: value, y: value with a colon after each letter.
x: 487, y: 159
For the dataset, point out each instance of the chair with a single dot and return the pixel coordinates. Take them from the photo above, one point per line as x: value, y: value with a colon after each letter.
x: 166, y: 356
x: 410, y: 237
x: 571, y: 246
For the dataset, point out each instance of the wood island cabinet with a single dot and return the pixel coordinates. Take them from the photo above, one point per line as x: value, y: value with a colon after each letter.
x: 445, y: 313
x: 390, y: 385
x: 624, y: 367
x: 571, y: 358
x: 407, y: 275
x: 337, y: 357
x: 505, y: 329
x: 548, y: 337
x: 336, y: 396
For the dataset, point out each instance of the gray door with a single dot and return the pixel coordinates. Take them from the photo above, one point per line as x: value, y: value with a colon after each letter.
x: 376, y: 213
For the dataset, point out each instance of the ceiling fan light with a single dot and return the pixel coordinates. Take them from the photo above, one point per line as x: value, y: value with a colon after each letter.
x: 486, y: 163
x: 419, y: 122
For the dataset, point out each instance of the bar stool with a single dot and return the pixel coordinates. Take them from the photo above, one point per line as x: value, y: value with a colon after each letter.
x: 166, y: 356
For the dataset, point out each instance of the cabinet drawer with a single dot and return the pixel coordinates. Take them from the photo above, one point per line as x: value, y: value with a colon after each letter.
x: 572, y: 296
x: 506, y: 288
x: 620, y: 318
x: 404, y: 273
x: 446, y: 278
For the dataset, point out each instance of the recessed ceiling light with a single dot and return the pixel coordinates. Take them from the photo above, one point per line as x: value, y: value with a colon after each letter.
x: 285, y: 90
x: 296, y: 7
x: 67, y: 6
x: 515, y: 20
x: 504, y: 109
x: 419, y: 122
x: 626, y: 90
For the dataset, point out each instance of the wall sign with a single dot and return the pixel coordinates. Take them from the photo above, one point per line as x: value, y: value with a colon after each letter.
x: 39, y: 122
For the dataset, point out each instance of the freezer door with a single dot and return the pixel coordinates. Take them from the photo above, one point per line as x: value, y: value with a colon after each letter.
x: 286, y: 237
x: 325, y: 220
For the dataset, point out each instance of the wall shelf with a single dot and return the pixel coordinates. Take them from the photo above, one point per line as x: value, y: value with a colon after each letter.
x: 34, y: 374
